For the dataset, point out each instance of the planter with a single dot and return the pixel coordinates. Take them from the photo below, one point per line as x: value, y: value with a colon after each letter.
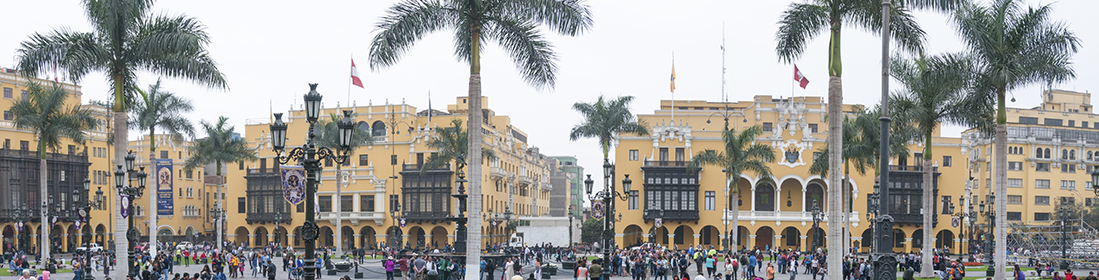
x: 568, y: 265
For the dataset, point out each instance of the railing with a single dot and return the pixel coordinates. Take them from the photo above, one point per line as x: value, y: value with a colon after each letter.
x: 786, y: 216
x: 49, y: 156
x: 426, y: 216
x: 497, y: 172
x: 262, y: 171
x: 672, y: 215
x: 674, y: 163
x: 268, y: 218
x: 911, y: 168
x: 525, y: 180
x: 1048, y: 134
x: 416, y: 167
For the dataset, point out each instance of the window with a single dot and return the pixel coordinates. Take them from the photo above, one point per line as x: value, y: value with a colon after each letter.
x: 1041, y: 184
x: 190, y: 175
x: 26, y: 95
x: 393, y: 160
x: 947, y: 161
x: 1014, y: 183
x: 163, y: 154
x: 1088, y: 201
x: 767, y: 127
x: 7, y: 115
x: 242, y: 204
x: 1046, y: 153
x: 633, y: 200
x: 240, y: 165
x: 1040, y: 216
x: 1014, y: 199
x: 1067, y: 185
x: 1041, y: 200
x: 1072, y: 154
x: 72, y: 150
x: 679, y: 154
x: 1053, y: 122
x: 946, y: 205
x: 1015, y: 165
x: 1071, y: 123
x: 1084, y: 124
x: 347, y: 203
x: 364, y: 160
x: 1042, y: 166
x: 1014, y: 216
x: 24, y: 145
x: 7, y: 93
x: 366, y: 203
x: 1064, y: 154
x: 7, y: 144
x: 325, y: 203
x: 1028, y: 120
x: 710, y: 201
x: 813, y: 128
x: 633, y: 155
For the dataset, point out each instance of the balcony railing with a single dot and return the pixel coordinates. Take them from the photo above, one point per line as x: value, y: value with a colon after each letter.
x: 911, y: 168
x: 268, y: 218
x: 665, y: 163
x: 426, y: 216
x: 416, y: 167
x: 785, y: 216
x: 497, y: 173
x: 525, y: 180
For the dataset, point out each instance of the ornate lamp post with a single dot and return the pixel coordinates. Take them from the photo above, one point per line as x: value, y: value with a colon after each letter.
x: 23, y: 218
x: 130, y: 193
x: 608, y: 196
x: 461, y: 219
x: 657, y: 215
x: 818, y: 216
x: 310, y: 156
x: 885, y: 263
x: 47, y: 221
x: 962, y: 215
x: 1063, y: 211
x: 84, y: 207
x: 278, y: 219
x: 990, y: 217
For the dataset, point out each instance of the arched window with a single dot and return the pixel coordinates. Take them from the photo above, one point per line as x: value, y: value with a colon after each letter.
x: 1038, y: 153
x: 1089, y: 155
x: 1064, y: 154
x: 1072, y: 154
x: 378, y: 128
x: 1047, y: 153
x: 765, y: 197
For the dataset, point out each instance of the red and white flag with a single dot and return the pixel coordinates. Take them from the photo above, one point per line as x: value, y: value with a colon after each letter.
x: 800, y: 78
x: 355, y: 75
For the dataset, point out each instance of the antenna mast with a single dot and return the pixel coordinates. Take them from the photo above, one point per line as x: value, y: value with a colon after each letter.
x: 724, y: 96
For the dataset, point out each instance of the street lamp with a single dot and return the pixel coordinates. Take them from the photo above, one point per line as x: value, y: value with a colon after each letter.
x: 50, y: 208
x: 84, y: 210
x: 818, y: 216
x: 656, y: 215
x: 278, y: 219
x: 962, y: 215
x: 129, y: 193
x: 1095, y: 180
x: 394, y: 235
x: 990, y: 217
x: 309, y: 157
x: 1063, y: 211
x: 23, y: 216
x: 608, y: 195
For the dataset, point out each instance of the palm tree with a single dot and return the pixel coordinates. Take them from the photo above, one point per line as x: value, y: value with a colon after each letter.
x: 511, y: 23
x: 450, y: 145
x: 221, y: 145
x: 330, y: 137
x: 126, y: 38
x: 742, y: 154
x: 932, y: 87
x: 1013, y: 47
x: 44, y: 112
x: 163, y: 110
x: 801, y: 22
x: 606, y: 119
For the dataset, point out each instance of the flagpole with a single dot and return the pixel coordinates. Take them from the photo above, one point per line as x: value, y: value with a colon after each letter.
x: 350, y: 72
x: 673, y: 87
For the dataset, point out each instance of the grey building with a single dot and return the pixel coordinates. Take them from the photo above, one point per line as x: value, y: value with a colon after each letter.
x: 572, y: 181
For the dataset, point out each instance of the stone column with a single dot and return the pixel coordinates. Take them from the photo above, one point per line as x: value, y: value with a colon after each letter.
x: 750, y: 243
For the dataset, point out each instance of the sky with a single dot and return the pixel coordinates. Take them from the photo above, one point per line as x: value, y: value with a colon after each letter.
x: 269, y: 51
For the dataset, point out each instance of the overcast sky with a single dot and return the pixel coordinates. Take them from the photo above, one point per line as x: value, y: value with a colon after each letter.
x: 270, y: 50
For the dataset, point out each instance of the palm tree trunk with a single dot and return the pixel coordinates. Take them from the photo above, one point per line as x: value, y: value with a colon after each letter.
x: 846, y: 213
x: 929, y: 210
x: 122, y: 267
x: 473, y: 239
x: 217, y: 205
x: 153, y: 196
x: 44, y: 232
x: 339, y: 215
x: 835, y: 176
x: 735, y: 220
x: 1001, y: 188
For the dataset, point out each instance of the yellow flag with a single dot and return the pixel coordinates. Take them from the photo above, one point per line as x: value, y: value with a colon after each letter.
x: 673, y: 75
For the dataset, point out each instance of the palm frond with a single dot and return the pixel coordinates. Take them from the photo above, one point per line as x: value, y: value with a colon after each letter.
x: 566, y: 17
x: 403, y: 25
x: 800, y: 23
x: 531, y: 52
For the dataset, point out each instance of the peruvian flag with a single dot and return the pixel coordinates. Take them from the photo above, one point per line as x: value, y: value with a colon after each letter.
x: 800, y: 78
x: 355, y: 75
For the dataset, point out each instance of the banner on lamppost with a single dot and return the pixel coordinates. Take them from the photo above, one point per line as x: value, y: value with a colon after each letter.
x: 125, y: 205
x: 165, y: 205
x: 293, y: 183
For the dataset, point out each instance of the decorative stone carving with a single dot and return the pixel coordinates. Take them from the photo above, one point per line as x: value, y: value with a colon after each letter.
x: 792, y: 152
x: 680, y: 132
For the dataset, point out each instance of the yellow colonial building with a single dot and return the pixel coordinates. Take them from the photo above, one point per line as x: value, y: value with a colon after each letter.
x: 383, y: 185
x: 770, y: 213
x: 67, y: 167
x: 185, y: 198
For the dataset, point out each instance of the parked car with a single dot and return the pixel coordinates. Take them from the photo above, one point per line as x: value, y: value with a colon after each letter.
x: 93, y: 247
x: 185, y: 245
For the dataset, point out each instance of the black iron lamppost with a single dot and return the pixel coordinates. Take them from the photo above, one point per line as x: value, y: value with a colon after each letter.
x: 51, y: 209
x: 278, y: 220
x: 125, y: 188
x: 990, y: 217
x: 655, y: 214
x: 84, y: 207
x: 1063, y: 212
x: 507, y: 222
x: 461, y: 219
x: 962, y: 215
x: 818, y: 216
x: 885, y: 263
x: 309, y: 156
x: 608, y: 195
x: 23, y: 216
x: 394, y: 234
